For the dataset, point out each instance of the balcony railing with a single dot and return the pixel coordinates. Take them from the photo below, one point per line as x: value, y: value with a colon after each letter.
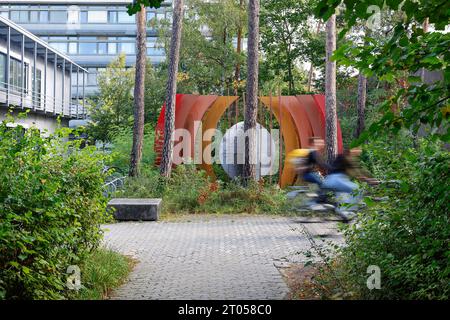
x: 22, y: 98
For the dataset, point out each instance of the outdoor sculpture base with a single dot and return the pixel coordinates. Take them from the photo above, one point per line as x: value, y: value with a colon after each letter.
x: 136, y: 209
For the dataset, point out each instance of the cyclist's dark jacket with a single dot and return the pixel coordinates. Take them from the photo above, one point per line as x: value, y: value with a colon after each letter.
x: 340, y: 165
x: 313, y: 161
x: 347, y: 165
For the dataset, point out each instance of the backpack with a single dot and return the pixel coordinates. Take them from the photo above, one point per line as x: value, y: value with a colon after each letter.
x: 298, y: 160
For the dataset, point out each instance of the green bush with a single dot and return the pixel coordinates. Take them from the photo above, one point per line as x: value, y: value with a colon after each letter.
x: 189, y: 190
x: 408, y: 236
x: 233, y: 197
x: 122, y: 143
x: 51, y: 207
x: 184, y: 188
x: 149, y: 184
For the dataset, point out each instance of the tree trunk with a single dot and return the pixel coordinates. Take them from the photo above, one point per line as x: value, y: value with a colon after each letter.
x: 361, y: 104
x: 251, y: 107
x: 232, y: 112
x: 290, y: 77
x: 330, y: 92
x: 171, y: 90
x: 139, y: 91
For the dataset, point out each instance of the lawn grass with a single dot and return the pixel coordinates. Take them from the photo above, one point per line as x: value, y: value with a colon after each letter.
x: 103, y: 271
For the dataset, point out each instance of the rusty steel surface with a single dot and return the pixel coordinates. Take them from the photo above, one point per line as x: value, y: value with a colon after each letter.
x: 288, y: 133
x: 300, y: 117
x: 209, y: 122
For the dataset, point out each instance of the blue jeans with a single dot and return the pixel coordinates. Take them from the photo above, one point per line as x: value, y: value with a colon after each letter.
x: 345, y: 189
x: 313, y: 177
x: 339, y: 182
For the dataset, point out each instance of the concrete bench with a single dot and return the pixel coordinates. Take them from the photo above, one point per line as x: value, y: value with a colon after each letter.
x: 136, y: 209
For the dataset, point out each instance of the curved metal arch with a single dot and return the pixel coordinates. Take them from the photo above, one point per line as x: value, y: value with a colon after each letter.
x: 301, y: 116
x: 210, y: 121
x: 288, y: 132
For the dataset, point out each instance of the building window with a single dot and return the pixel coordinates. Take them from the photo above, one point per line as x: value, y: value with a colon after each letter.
x: 102, y: 48
x: 61, y: 46
x: 151, y: 15
x: 151, y: 51
x: 2, y: 70
x: 87, y: 48
x: 73, y: 15
x: 97, y: 17
x: 83, y: 16
x: 112, y: 48
x: 127, y: 48
x: 112, y: 16
x: 36, y: 89
x: 19, y: 16
x: 15, y: 76
x: 73, y: 47
x: 125, y: 18
x: 34, y: 16
x: 92, y: 77
x: 58, y: 16
x: 43, y: 16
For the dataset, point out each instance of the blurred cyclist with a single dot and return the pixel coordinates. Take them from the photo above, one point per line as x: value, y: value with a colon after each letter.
x: 314, y: 162
x: 344, y: 166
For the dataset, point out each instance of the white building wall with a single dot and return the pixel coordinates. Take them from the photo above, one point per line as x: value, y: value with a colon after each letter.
x: 51, y: 96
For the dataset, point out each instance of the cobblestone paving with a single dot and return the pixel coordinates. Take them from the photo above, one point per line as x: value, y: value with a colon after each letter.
x: 226, y: 257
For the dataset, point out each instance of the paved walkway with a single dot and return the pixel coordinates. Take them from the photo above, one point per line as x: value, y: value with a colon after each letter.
x: 226, y: 257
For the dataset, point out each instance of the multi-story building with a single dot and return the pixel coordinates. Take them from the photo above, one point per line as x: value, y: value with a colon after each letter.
x: 91, y: 32
x: 35, y: 77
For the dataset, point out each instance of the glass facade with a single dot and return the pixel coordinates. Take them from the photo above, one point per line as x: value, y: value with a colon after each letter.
x: 36, y: 86
x: 101, y: 45
x: 2, y: 70
x: 17, y: 83
x: 92, y: 35
x: 75, y: 14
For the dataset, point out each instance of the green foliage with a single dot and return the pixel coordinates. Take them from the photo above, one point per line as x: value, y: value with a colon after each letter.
x: 155, y: 91
x: 112, y: 109
x: 285, y: 36
x: 254, y: 198
x: 189, y: 190
x: 207, y: 63
x: 184, y: 189
x: 407, y: 51
x: 436, y: 10
x: 149, y: 184
x: 51, y: 207
x: 102, y: 271
x: 408, y: 237
x: 135, y: 7
x: 122, y: 142
x: 111, y: 112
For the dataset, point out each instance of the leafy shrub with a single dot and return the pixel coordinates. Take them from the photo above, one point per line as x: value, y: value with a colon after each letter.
x: 51, y: 207
x: 407, y: 237
x: 254, y: 198
x: 121, y: 149
x: 190, y: 190
x: 149, y: 184
x: 184, y: 189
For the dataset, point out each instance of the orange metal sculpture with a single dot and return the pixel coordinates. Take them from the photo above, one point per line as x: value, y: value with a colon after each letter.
x: 300, y: 117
